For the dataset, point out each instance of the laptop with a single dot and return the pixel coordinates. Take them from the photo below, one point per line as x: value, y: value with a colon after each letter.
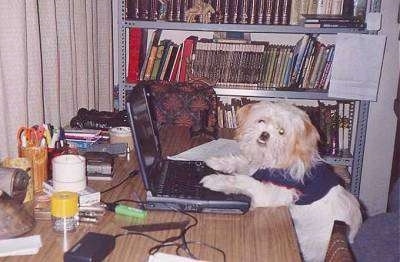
x: 172, y: 184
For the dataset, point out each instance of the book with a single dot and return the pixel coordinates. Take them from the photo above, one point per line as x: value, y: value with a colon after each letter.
x: 260, y: 13
x: 132, y: 9
x: 171, y: 61
x: 166, y: 43
x: 334, y: 25
x: 277, y: 13
x: 176, y: 64
x: 285, y: 12
x: 167, y: 57
x: 151, y: 51
x: 315, y: 18
x: 135, y: 42
x: 157, y: 62
x: 269, y: 7
x: 294, y: 12
x: 189, y: 45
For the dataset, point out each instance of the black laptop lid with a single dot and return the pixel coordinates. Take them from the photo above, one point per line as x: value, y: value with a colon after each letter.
x: 146, y: 141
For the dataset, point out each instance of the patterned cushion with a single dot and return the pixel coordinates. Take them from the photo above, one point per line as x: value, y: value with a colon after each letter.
x: 191, y: 104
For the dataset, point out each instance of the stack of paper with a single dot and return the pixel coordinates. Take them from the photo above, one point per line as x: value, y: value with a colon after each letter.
x: 20, y: 246
x: 216, y: 148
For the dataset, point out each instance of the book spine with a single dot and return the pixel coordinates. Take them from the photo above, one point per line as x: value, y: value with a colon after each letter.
x: 260, y: 15
x: 157, y: 62
x: 175, y: 65
x: 321, y: 6
x: 243, y: 14
x: 327, y: 68
x: 144, y: 10
x: 132, y: 11
x: 170, y: 15
x: 252, y: 12
x: 226, y: 11
x: 321, y: 68
x: 162, y: 10
x: 178, y: 10
x: 277, y: 15
x: 312, y: 7
x: 153, y: 10
x: 294, y: 12
x: 285, y: 12
x: 135, y: 39
x: 188, y: 47
x: 269, y: 7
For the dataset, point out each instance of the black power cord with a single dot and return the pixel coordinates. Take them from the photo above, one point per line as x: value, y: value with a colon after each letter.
x: 130, y: 175
x: 171, y: 241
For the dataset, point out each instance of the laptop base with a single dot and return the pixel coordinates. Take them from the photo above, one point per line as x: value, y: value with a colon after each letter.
x: 197, y: 206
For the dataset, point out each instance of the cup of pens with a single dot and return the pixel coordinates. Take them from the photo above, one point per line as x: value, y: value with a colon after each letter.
x: 32, y: 146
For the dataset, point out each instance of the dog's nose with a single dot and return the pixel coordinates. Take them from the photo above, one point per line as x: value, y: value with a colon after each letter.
x: 264, y: 136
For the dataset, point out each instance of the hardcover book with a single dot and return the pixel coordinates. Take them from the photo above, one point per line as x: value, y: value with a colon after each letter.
x: 151, y: 51
x: 135, y: 42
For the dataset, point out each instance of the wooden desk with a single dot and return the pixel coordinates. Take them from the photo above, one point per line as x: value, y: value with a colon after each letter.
x: 264, y: 234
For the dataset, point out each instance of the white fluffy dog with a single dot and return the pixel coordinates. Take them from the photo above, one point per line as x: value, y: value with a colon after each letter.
x: 279, y: 165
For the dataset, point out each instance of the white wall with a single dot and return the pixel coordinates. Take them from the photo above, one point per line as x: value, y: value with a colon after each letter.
x: 382, y: 122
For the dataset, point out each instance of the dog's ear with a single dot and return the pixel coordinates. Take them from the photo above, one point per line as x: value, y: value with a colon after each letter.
x: 306, y: 144
x: 241, y: 116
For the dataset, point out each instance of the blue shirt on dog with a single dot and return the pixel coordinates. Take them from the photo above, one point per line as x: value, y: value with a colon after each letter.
x: 316, y: 184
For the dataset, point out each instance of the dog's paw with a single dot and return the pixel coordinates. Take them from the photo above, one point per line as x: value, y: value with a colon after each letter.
x: 221, y: 183
x: 220, y: 164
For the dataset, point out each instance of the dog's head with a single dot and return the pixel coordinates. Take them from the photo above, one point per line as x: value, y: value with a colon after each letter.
x: 277, y: 135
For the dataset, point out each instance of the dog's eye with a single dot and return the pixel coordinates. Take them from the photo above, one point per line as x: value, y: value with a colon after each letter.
x: 281, y: 131
x: 261, y: 121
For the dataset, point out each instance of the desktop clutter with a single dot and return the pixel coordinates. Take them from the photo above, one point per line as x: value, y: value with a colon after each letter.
x: 51, y: 174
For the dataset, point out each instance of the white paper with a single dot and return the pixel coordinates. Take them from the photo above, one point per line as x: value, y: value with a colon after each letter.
x: 163, y: 257
x: 20, y: 246
x: 215, y: 148
x: 357, y: 66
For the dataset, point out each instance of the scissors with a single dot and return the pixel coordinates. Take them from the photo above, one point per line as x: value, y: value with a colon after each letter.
x: 28, y: 136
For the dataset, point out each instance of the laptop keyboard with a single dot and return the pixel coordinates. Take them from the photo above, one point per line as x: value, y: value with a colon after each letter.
x: 183, y: 179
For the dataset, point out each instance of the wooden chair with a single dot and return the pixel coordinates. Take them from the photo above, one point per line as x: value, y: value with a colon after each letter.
x: 338, y: 248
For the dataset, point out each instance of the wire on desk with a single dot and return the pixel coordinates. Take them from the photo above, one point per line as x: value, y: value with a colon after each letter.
x: 171, y: 241
x: 130, y: 175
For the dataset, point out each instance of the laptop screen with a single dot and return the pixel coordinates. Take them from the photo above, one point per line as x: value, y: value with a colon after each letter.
x: 145, y: 139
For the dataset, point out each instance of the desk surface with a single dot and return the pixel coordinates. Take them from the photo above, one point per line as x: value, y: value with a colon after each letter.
x: 264, y: 234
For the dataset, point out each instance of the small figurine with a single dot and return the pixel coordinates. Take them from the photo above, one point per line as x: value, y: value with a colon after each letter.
x: 200, y: 10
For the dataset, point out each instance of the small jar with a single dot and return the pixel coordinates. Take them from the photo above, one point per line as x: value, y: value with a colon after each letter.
x: 64, y: 211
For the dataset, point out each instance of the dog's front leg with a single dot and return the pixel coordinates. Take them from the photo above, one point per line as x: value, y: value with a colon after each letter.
x: 233, y: 164
x: 261, y: 194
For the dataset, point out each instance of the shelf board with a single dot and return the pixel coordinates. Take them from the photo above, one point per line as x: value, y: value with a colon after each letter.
x: 303, y: 94
x: 285, y: 29
x: 342, y: 161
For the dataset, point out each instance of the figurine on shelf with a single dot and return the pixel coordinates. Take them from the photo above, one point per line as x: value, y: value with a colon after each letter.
x: 200, y: 10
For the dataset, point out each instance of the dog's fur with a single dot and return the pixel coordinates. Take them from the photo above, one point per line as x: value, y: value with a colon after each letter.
x: 281, y: 136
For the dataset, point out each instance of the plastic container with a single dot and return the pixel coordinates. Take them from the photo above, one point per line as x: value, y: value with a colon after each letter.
x: 64, y: 211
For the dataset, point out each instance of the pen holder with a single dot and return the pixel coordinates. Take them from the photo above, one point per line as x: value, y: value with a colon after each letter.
x: 26, y: 165
x: 38, y: 156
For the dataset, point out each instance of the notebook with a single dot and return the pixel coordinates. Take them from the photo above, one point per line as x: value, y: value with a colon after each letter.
x: 172, y: 184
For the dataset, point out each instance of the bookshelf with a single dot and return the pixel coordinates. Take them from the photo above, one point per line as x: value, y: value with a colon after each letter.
x: 360, y: 116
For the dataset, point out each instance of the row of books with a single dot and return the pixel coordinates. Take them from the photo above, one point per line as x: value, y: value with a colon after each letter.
x: 331, y: 21
x: 276, y: 12
x: 164, y: 60
x: 250, y: 65
x: 333, y: 122
x: 304, y: 65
